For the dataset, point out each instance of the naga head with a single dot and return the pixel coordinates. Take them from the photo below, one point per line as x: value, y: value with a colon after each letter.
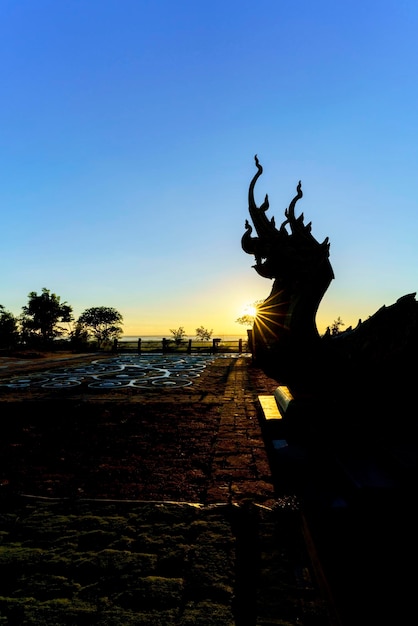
x: 278, y: 251
x: 298, y: 264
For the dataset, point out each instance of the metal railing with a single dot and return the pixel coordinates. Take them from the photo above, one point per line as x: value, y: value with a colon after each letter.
x: 190, y: 346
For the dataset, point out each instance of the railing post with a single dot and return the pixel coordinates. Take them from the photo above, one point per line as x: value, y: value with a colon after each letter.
x: 251, y: 345
x: 189, y: 347
x: 139, y: 346
x: 215, y: 344
x: 240, y: 346
x: 165, y: 345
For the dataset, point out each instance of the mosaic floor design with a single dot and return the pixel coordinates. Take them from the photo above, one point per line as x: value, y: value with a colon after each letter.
x: 140, y: 372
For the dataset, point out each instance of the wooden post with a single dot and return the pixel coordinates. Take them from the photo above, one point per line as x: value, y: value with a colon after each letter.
x: 215, y: 344
x: 139, y: 346
x: 251, y: 345
x: 189, y: 347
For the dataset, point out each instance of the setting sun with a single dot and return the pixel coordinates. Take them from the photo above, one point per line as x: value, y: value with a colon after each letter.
x: 249, y: 310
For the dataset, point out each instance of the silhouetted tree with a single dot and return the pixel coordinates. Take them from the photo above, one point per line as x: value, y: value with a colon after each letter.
x: 203, y: 333
x: 245, y: 320
x: 102, y: 322
x: 42, y: 315
x: 248, y: 318
x: 79, y: 337
x: 335, y: 326
x: 9, y: 332
x: 178, y: 335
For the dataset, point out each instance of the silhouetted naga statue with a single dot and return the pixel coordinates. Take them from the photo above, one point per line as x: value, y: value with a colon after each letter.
x: 285, y: 324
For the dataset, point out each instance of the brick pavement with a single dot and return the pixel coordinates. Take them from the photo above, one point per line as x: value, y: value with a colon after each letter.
x: 240, y: 468
x: 277, y: 579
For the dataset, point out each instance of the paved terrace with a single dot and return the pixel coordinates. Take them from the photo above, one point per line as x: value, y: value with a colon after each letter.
x: 274, y: 550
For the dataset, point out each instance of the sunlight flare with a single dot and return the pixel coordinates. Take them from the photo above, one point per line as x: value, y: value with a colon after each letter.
x: 249, y: 309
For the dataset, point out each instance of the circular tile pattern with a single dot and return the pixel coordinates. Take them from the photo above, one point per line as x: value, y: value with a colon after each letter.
x: 135, y: 371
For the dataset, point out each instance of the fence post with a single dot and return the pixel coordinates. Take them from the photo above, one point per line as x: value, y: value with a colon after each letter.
x: 240, y: 346
x: 251, y: 345
x: 189, y: 347
x: 139, y: 346
x: 165, y: 345
x: 215, y: 343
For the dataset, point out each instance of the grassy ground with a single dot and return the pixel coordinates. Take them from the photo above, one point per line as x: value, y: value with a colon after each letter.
x: 149, y: 564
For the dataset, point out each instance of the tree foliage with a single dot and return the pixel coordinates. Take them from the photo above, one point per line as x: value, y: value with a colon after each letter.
x: 248, y: 318
x: 336, y: 325
x: 42, y: 315
x: 203, y: 334
x: 178, y: 335
x: 9, y: 332
x: 102, y: 322
x: 245, y: 320
x: 79, y: 337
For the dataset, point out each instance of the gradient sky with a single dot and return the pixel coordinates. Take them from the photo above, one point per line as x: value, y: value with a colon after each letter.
x: 128, y: 135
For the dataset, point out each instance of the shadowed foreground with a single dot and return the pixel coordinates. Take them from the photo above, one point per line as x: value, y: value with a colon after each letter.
x: 156, y: 507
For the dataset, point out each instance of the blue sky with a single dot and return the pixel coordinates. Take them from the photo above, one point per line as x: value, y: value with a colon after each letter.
x: 128, y: 135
